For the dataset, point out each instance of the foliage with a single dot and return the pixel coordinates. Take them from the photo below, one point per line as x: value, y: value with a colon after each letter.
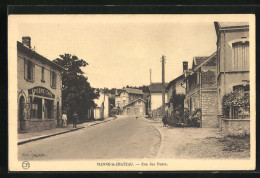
x: 194, y: 118
x: 77, y: 94
x: 234, y: 99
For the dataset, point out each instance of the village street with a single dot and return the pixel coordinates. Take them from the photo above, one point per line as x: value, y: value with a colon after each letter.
x: 125, y: 137
x: 128, y: 137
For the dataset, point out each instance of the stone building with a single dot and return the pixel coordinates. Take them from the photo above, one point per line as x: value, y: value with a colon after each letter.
x: 135, y: 108
x: 126, y: 96
x: 39, y: 90
x: 232, y: 61
x: 201, y: 89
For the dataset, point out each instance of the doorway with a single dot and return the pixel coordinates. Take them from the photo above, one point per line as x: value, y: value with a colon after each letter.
x: 58, y: 113
x: 21, y: 114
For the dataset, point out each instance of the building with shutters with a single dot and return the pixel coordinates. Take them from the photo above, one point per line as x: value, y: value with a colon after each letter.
x: 232, y: 62
x: 39, y: 90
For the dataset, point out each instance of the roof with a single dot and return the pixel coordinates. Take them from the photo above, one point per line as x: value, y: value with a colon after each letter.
x: 233, y: 24
x: 198, y: 60
x: 134, y: 102
x: 20, y: 46
x: 132, y: 91
x: 173, y: 81
x: 205, y: 61
x: 157, y: 87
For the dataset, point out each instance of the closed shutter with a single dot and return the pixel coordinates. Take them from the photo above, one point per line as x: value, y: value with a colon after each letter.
x: 50, y: 78
x: 33, y: 72
x: 25, y: 69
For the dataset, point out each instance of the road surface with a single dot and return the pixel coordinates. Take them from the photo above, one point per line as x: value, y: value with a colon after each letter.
x: 120, y: 138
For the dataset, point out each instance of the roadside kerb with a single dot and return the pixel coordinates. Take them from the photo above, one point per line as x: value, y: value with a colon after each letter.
x: 59, y: 133
x: 161, y: 136
x: 47, y: 136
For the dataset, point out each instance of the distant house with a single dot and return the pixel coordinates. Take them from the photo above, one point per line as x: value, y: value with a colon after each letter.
x: 156, y: 95
x: 135, y: 108
x: 201, y: 89
x: 126, y: 96
x: 232, y: 62
x: 177, y: 85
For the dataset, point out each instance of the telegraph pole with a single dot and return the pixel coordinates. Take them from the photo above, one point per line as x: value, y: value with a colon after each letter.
x: 150, y: 76
x: 163, y: 86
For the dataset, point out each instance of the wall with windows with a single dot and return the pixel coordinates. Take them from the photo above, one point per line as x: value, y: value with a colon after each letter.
x: 137, y: 108
x: 234, y: 52
x: 24, y: 83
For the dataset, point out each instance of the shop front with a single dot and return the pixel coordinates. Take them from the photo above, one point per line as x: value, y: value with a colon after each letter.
x: 39, y: 110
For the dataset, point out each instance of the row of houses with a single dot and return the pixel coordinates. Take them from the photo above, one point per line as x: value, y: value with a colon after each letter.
x: 213, y: 77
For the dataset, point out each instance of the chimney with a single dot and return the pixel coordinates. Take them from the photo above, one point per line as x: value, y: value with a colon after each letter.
x: 185, y: 66
x: 26, y: 40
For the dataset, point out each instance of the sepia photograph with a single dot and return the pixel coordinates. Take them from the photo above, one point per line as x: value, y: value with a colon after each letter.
x: 131, y: 92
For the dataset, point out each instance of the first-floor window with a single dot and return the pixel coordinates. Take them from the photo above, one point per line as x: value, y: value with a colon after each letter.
x: 53, y: 79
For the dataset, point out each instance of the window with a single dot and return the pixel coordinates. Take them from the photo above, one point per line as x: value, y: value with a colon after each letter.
x: 123, y: 102
x: 43, y: 79
x: 53, y: 79
x: 240, y: 55
x: 29, y: 70
x: 36, y: 108
x: 198, y: 78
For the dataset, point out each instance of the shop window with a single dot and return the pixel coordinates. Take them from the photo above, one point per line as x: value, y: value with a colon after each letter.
x: 29, y: 70
x: 240, y: 55
x: 53, y: 80
x: 36, y: 108
x: 43, y: 71
x: 49, y: 109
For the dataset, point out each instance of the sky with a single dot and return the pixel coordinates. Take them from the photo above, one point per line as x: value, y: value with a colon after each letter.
x: 120, y: 49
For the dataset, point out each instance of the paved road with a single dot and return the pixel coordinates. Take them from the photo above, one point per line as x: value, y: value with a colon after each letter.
x: 119, y: 138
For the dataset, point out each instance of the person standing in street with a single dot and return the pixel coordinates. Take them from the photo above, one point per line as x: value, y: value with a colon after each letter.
x: 75, y: 119
x: 64, y: 119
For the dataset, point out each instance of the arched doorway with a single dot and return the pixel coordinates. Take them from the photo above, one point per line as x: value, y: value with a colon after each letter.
x: 21, y: 114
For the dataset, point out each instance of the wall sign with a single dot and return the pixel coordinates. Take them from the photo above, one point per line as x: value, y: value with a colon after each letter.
x: 41, y: 91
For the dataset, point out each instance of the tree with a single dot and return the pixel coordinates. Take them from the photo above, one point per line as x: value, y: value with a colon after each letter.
x: 77, y: 94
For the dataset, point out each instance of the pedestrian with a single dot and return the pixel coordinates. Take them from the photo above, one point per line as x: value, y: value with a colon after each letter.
x: 164, y: 121
x: 75, y: 119
x: 64, y: 119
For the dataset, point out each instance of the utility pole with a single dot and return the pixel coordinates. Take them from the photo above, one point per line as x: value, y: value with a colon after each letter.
x: 150, y: 76
x: 163, y: 86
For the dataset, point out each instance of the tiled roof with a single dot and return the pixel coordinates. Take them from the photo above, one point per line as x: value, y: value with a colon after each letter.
x: 198, y: 60
x: 132, y: 91
x: 157, y: 87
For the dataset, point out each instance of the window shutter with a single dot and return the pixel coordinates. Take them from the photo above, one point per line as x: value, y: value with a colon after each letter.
x: 51, y: 78
x: 25, y: 69
x: 33, y: 72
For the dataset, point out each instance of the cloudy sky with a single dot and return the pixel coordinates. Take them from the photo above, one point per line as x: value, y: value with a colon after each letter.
x: 120, y: 49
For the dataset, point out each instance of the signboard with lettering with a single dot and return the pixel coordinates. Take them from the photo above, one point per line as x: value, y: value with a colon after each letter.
x: 41, y: 91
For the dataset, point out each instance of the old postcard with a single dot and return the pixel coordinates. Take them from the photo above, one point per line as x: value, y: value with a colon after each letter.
x: 131, y: 92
